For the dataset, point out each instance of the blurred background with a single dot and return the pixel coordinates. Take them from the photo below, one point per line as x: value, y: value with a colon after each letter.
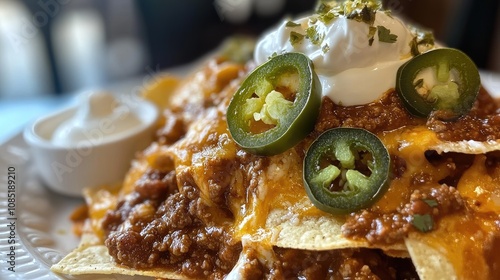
x: 50, y: 49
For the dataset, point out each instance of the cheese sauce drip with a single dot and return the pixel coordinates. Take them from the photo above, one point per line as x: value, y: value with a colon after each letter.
x: 356, y: 62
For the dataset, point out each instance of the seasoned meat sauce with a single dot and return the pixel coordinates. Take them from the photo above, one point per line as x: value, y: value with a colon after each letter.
x: 160, y: 226
x: 388, y: 113
x: 481, y: 124
x: 173, y: 232
x: 340, y: 264
x: 388, y: 228
x: 164, y: 223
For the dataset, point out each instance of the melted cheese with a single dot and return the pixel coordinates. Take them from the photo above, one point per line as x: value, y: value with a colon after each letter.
x: 481, y: 189
x: 263, y: 252
x: 410, y: 144
x: 99, y: 201
x: 471, y: 240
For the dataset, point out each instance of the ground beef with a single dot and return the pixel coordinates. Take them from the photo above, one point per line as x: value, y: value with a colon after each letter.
x: 218, y: 179
x: 156, y: 185
x: 173, y: 236
x: 388, y: 113
x: 173, y: 129
x: 341, y: 264
x: 467, y: 128
x: 389, y: 228
x: 252, y: 267
x: 329, y: 264
x: 481, y: 124
x: 383, y: 115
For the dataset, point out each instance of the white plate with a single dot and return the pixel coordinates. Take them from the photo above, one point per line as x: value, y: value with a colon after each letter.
x: 43, y: 227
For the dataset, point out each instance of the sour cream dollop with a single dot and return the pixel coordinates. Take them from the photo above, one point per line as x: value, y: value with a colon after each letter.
x: 100, y: 117
x: 351, y: 71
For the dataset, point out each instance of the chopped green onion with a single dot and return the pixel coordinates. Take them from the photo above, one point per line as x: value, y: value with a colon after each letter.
x: 296, y: 38
x: 325, y: 48
x: 431, y: 202
x: 385, y: 35
x: 314, y: 36
x: 291, y: 24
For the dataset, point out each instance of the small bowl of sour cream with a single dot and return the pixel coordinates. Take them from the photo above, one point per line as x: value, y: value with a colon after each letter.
x: 90, y: 144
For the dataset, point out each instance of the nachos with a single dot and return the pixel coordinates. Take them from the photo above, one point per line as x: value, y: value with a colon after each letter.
x: 300, y: 164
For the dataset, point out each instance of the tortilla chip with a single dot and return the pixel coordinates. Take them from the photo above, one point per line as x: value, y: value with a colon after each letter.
x: 161, y: 89
x: 468, y: 147
x: 435, y: 257
x: 92, y: 258
x: 315, y: 233
x: 429, y: 262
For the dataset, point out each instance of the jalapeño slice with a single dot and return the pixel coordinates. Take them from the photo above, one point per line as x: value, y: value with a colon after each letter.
x: 439, y: 80
x: 276, y: 106
x: 346, y: 169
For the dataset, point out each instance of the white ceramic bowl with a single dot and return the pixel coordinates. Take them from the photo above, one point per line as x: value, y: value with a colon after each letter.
x: 69, y: 169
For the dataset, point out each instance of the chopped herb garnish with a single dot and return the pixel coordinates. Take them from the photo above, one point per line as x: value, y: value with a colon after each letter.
x: 414, y: 47
x: 365, y: 15
x: 430, y: 202
x: 325, y: 48
x: 368, y: 15
x: 423, y: 223
x: 361, y: 10
x: 291, y: 24
x: 371, y: 34
x: 296, y: 37
x: 272, y: 55
x: 426, y: 38
x: 327, y: 18
x: 385, y: 35
x: 313, y: 20
x: 422, y: 38
x: 314, y: 36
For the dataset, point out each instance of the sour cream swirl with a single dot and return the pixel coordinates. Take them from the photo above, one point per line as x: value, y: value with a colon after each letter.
x: 351, y: 71
x: 100, y: 117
